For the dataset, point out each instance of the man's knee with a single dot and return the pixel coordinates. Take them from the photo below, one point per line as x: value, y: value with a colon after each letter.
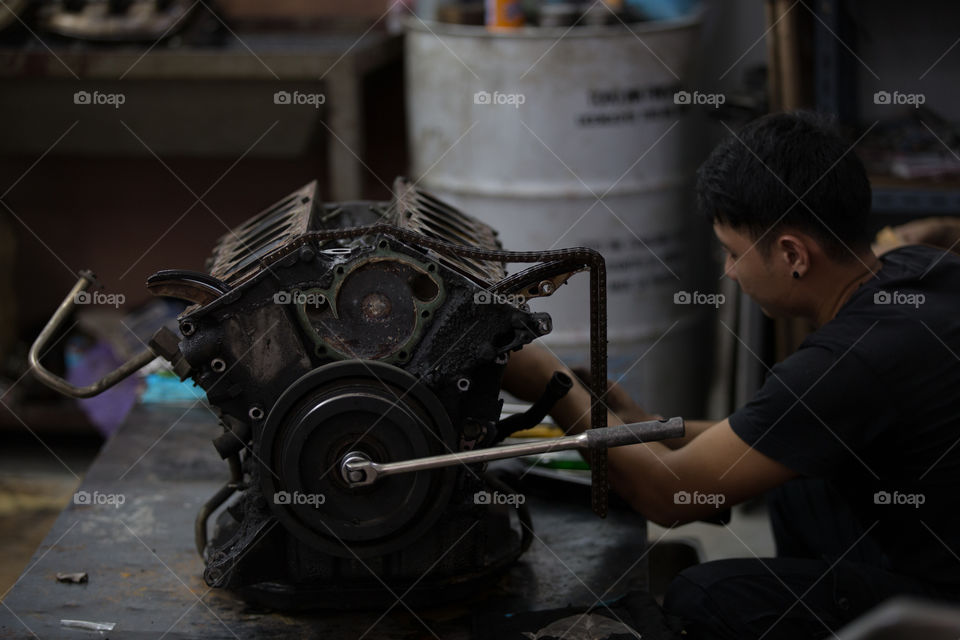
x: 705, y: 598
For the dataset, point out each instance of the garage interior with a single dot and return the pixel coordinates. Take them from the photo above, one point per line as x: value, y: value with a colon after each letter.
x: 144, y: 135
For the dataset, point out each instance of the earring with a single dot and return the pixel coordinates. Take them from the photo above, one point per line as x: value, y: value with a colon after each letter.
x: 796, y: 275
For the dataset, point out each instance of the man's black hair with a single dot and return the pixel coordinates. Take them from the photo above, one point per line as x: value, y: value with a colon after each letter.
x: 752, y: 180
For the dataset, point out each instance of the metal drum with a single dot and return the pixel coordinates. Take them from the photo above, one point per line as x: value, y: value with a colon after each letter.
x: 575, y: 137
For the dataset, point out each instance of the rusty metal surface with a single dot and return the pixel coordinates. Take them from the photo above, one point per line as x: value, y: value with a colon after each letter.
x: 145, y: 575
x: 551, y: 262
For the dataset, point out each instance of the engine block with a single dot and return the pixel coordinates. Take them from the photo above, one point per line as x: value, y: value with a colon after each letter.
x: 334, y: 338
x: 313, y: 346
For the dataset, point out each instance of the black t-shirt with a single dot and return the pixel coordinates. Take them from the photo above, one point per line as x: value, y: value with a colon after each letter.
x: 871, y: 402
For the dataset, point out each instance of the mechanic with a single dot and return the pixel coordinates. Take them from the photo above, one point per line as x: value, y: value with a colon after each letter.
x: 854, y: 436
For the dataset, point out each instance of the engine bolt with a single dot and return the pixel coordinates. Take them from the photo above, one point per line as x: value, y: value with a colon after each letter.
x: 463, y: 384
x: 546, y: 287
x: 306, y: 254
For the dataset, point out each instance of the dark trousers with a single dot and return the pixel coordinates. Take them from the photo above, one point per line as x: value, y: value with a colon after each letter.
x: 802, y: 593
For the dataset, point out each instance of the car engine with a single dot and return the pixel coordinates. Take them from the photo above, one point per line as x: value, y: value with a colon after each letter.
x: 333, y: 339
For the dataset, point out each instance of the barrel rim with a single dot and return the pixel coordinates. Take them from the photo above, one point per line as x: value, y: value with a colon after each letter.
x: 564, y: 191
x: 414, y: 24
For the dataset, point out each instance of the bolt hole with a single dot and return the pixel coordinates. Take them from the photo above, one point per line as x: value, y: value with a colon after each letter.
x: 463, y: 384
x: 255, y: 413
x: 187, y: 328
x: 218, y: 365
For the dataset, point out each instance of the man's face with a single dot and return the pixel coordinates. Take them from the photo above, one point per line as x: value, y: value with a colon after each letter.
x: 760, y: 277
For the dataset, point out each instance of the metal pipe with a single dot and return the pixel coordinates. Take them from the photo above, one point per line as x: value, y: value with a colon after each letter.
x: 57, y: 383
x: 357, y: 469
x: 211, y: 505
x: 557, y: 387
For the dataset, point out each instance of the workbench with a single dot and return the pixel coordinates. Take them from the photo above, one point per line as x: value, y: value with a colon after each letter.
x: 145, y: 574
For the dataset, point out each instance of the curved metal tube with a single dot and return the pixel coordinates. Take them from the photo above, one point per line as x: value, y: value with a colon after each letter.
x: 211, y: 505
x: 57, y: 383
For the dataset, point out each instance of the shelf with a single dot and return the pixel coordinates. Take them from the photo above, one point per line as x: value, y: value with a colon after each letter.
x: 836, y: 72
x: 897, y: 195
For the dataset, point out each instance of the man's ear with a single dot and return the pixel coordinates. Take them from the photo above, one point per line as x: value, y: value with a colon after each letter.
x: 793, y: 251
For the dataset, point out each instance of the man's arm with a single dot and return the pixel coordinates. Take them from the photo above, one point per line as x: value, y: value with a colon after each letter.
x: 674, y: 486
x: 714, y: 468
x: 691, y: 429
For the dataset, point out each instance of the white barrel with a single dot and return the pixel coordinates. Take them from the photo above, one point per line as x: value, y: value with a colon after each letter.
x: 562, y: 137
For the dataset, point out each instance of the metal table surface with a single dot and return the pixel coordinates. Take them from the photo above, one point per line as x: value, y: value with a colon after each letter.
x: 145, y: 574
